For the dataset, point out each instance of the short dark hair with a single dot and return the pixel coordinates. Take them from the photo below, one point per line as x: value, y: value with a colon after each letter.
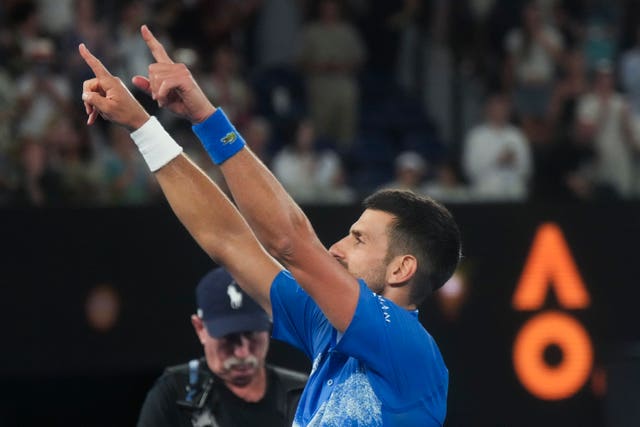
x: 425, y: 229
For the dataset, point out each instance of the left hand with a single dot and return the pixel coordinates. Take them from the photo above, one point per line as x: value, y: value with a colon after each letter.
x: 108, y: 96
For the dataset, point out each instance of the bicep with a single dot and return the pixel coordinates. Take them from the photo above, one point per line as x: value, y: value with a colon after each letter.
x: 253, y: 268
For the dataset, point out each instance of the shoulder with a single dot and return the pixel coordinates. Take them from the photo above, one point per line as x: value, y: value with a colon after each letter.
x: 161, y: 406
x: 176, y: 371
x: 172, y: 380
x: 478, y: 134
x: 179, y: 374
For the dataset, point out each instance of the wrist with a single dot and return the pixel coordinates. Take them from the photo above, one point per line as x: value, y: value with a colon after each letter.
x: 204, y: 115
x: 219, y: 137
x: 138, y: 121
x: 154, y: 143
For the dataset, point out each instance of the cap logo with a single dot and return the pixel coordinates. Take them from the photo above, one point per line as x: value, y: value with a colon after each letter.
x: 235, y: 296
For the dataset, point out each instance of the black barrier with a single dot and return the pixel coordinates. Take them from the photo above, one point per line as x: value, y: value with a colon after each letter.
x: 97, y: 301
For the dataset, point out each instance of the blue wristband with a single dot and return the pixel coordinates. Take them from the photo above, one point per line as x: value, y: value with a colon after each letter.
x: 219, y: 137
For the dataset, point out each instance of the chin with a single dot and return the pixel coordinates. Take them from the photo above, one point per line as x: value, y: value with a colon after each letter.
x: 242, y: 381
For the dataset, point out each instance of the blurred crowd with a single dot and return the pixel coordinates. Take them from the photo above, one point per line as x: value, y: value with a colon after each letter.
x: 466, y: 100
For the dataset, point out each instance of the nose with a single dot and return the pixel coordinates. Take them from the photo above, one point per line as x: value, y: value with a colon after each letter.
x: 336, y: 250
x: 242, y: 347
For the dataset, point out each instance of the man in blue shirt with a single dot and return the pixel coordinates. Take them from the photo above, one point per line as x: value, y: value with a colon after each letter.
x: 352, y: 308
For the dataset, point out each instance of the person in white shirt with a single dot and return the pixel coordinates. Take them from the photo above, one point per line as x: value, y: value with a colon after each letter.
x: 309, y: 174
x: 604, y: 120
x: 534, y: 50
x: 496, y: 156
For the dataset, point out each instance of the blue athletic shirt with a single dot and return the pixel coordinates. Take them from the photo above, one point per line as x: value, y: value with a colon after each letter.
x: 384, y: 370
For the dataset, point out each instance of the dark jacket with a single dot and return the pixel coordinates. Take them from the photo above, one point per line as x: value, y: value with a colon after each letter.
x: 174, y: 402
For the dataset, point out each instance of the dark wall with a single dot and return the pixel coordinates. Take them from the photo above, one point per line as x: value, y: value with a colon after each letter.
x: 56, y: 369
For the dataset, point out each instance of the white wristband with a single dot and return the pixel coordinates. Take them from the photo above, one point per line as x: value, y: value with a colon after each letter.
x: 154, y: 143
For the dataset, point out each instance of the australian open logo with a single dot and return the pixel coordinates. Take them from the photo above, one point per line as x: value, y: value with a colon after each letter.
x: 229, y: 138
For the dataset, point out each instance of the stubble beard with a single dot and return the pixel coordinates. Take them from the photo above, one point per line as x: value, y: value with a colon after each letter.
x: 375, y: 280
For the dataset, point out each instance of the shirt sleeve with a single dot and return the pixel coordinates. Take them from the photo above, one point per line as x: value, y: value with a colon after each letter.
x: 395, y: 348
x: 297, y: 319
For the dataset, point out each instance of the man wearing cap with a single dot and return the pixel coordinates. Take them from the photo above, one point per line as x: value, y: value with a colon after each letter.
x: 231, y: 385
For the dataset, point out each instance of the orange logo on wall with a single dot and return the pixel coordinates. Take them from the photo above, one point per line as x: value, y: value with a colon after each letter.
x: 550, y: 266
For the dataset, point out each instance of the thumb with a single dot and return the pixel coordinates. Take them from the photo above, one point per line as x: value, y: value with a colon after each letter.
x: 96, y: 100
x: 142, y: 83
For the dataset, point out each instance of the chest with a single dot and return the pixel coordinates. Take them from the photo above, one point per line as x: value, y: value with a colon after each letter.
x: 339, y: 392
x: 224, y: 409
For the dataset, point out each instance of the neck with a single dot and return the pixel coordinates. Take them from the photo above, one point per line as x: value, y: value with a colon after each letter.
x: 255, y: 390
x: 399, y: 297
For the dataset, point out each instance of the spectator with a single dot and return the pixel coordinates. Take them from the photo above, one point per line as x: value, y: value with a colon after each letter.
x: 59, y: 15
x: 630, y: 75
x: 497, y: 156
x: 226, y: 85
x: 125, y: 176
x: 558, y: 160
x: 410, y: 169
x: 25, y: 29
x: 409, y: 23
x: 604, y: 121
x: 257, y: 134
x: 278, y: 22
x: 534, y: 50
x: 132, y: 54
x: 71, y: 155
x: 43, y: 91
x: 330, y: 55
x: 446, y: 186
x: 38, y: 184
x: 85, y: 29
x: 310, y: 175
x: 7, y: 117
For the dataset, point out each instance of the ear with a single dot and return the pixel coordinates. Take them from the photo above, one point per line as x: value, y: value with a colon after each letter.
x: 198, y: 326
x: 401, y: 270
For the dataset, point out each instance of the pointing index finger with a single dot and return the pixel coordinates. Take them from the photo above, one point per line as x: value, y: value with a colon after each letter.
x: 98, y: 68
x: 156, y: 48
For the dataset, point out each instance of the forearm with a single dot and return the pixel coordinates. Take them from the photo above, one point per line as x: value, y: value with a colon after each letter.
x: 201, y: 207
x: 272, y: 214
x: 215, y: 224
x: 205, y: 211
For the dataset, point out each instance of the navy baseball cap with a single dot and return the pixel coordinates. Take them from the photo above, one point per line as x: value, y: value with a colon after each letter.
x: 225, y: 308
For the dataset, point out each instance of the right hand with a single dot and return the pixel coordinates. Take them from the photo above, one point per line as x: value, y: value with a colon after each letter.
x: 171, y: 85
x: 108, y: 96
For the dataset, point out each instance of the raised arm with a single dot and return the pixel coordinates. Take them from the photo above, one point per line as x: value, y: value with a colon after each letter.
x: 277, y: 220
x: 209, y: 216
